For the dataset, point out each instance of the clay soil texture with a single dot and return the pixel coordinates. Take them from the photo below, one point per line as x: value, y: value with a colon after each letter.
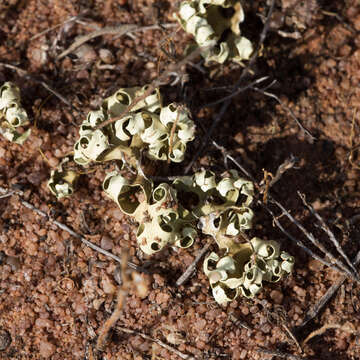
x: 56, y: 293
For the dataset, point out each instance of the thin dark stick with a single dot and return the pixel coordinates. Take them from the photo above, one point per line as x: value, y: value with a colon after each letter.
x: 331, y: 235
x: 314, y: 241
x: 296, y: 241
x: 73, y: 233
x: 73, y: 18
x: 159, y: 342
x: 42, y: 83
x: 185, y: 276
x: 236, y: 92
x: 301, y: 126
x: 314, y: 311
x: 279, y: 354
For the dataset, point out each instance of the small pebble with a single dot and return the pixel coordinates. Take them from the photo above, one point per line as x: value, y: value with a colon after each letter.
x: 277, y: 296
x: 46, y: 349
x: 106, y: 56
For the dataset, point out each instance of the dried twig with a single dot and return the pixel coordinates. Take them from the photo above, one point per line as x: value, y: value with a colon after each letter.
x: 326, y: 327
x: 295, y: 240
x: 306, y: 131
x: 339, y: 265
x: 331, y: 235
x: 72, y: 232
x: 159, y: 342
x: 279, y: 354
x: 236, y: 92
x: 24, y: 73
x: 285, y: 166
x: 54, y: 27
x: 185, y: 276
x: 120, y: 302
x: 109, y: 30
x: 314, y: 311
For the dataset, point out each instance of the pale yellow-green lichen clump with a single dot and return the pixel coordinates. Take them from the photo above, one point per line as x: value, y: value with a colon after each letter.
x: 162, y: 219
x: 215, y: 25
x: 244, y: 267
x: 169, y: 214
x: 161, y: 132
x: 12, y: 115
x: 173, y: 214
x: 63, y: 179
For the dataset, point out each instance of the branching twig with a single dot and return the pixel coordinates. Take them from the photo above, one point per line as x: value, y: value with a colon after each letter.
x: 72, y: 232
x: 159, y: 342
x: 184, y: 277
x: 341, y: 267
x: 54, y: 27
x: 331, y: 235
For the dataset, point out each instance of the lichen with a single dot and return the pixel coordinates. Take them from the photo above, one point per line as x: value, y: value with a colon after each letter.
x: 215, y: 24
x: 12, y: 115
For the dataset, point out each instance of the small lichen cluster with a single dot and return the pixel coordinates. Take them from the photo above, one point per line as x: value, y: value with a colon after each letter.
x: 12, y: 115
x: 244, y: 267
x: 171, y: 215
x: 63, y: 179
x: 160, y: 132
x: 162, y: 220
x: 215, y: 24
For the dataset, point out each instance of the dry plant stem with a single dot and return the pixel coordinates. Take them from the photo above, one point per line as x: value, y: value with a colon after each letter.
x: 331, y: 235
x: 189, y: 271
x: 236, y: 92
x: 72, y: 232
x: 172, y: 132
x: 24, y: 73
x: 159, y: 342
x: 326, y: 327
x: 314, y: 311
x: 280, y: 318
x: 306, y: 131
x: 296, y: 241
x: 120, y: 302
x: 280, y: 354
x: 352, y: 147
x: 342, y: 268
x: 285, y: 166
x: 109, y: 30
x: 54, y: 27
